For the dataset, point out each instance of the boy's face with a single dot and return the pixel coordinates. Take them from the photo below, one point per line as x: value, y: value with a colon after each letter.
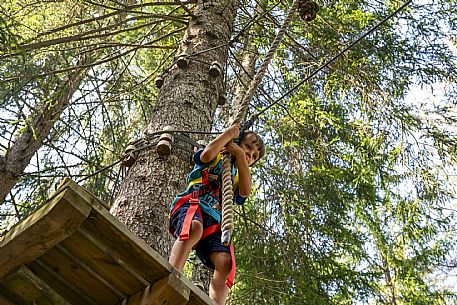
x: 250, y: 148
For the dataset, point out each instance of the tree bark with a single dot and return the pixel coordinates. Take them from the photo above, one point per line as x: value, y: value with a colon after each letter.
x: 249, y: 56
x: 18, y: 156
x: 187, y: 101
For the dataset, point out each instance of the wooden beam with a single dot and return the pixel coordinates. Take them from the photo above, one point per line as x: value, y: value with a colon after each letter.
x: 82, y: 192
x: 42, y: 230
x: 29, y: 288
x: 115, y: 260
x: 77, y: 276
x: 197, y: 296
x: 170, y: 290
x: 5, y: 301
x: 62, y: 286
x: 99, y: 258
x: 125, y: 245
x: 76, y: 263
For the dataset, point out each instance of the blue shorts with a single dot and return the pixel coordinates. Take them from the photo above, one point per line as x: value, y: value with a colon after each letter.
x: 204, y: 248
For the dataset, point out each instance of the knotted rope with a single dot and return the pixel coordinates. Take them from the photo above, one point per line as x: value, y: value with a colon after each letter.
x: 227, y: 187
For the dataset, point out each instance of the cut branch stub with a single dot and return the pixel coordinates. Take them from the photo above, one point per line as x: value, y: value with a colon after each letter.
x: 308, y: 10
x: 215, y: 70
x: 130, y: 154
x: 159, y: 80
x: 164, y: 145
x: 182, y: 62
x: 200, y: 142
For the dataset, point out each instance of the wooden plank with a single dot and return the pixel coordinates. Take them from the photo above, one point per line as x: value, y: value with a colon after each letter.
x: 107, y: 251
x: 88, y: 196
x: 30, y: 289
x: 97, y: 257
x: 118, y: 241
x: 42, y: 230
x: 197, y: 296
x: 79, y: 276
x: 75, y: 261
x: 59, y: 284
x: 4, y: 300
x: 125, y: 245
x: 168, y: 291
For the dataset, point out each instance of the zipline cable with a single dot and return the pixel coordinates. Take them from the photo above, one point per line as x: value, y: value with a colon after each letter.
x: 290, y: 91
x: 227, y: 187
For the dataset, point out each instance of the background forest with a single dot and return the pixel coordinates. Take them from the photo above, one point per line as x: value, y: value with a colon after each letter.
x: 354, y: 202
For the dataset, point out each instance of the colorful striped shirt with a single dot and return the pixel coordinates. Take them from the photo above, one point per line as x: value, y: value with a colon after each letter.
x: 210, y: 202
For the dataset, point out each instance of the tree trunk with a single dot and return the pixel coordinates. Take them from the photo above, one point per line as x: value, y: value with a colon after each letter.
x: 18, y: 156
x: 389, y: 282
x: 249, y: 56
x: 187, y: 101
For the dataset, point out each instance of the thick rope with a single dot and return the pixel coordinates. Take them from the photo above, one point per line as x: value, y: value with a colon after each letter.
x: 227, y: 188
x: 227, y: 199
x: 255, y: 82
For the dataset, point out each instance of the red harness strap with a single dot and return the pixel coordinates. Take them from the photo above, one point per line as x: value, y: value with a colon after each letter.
x: 192, y: 198
x: 194, y: 207
x: 231, y: 278
x: 210, y: 230
x: 217, y: 228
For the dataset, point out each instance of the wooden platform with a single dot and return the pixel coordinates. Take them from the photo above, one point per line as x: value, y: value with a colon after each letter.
x: 72, y: 251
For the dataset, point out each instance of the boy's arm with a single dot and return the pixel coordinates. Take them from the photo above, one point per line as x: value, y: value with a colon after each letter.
x: 244, y: 174
x: 215, y: 146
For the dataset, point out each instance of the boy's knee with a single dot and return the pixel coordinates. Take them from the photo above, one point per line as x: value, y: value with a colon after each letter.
x: 197, y: 227
x: 222, y: 261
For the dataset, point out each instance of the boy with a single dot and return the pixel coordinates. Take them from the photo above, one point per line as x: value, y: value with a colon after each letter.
x: 196, y: 213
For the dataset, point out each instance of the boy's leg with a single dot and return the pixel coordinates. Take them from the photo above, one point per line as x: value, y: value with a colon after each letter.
x: 181, y: 248
x: 218, y: 290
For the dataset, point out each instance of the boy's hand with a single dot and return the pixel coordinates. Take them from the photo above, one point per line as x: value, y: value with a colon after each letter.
x: 235, y: 150
x: 234, y: 131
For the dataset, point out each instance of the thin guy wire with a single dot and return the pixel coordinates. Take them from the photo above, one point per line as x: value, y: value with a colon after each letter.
x: 331, y: 60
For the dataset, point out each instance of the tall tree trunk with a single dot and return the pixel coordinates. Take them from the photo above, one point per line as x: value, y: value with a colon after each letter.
x: 187, y: 101
x: 249, y: 56
x: 25, y: 145
x: 389, y: 281
x: 18, y: 156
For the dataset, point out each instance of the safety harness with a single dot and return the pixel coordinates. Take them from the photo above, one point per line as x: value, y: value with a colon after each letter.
x: 193, y: 199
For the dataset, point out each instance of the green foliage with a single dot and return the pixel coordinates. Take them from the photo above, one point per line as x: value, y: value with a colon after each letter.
x: 354, y: 208
x: 119, y: 52
x: 353, y: 203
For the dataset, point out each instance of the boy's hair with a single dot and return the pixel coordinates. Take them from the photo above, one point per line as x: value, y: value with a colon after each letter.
x: 258, y: 142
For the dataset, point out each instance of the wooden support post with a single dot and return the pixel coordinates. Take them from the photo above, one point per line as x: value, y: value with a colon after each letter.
x: 215, y: 69
x: 160, y: 80
x: 170, y: 290
x: 183, y: 61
